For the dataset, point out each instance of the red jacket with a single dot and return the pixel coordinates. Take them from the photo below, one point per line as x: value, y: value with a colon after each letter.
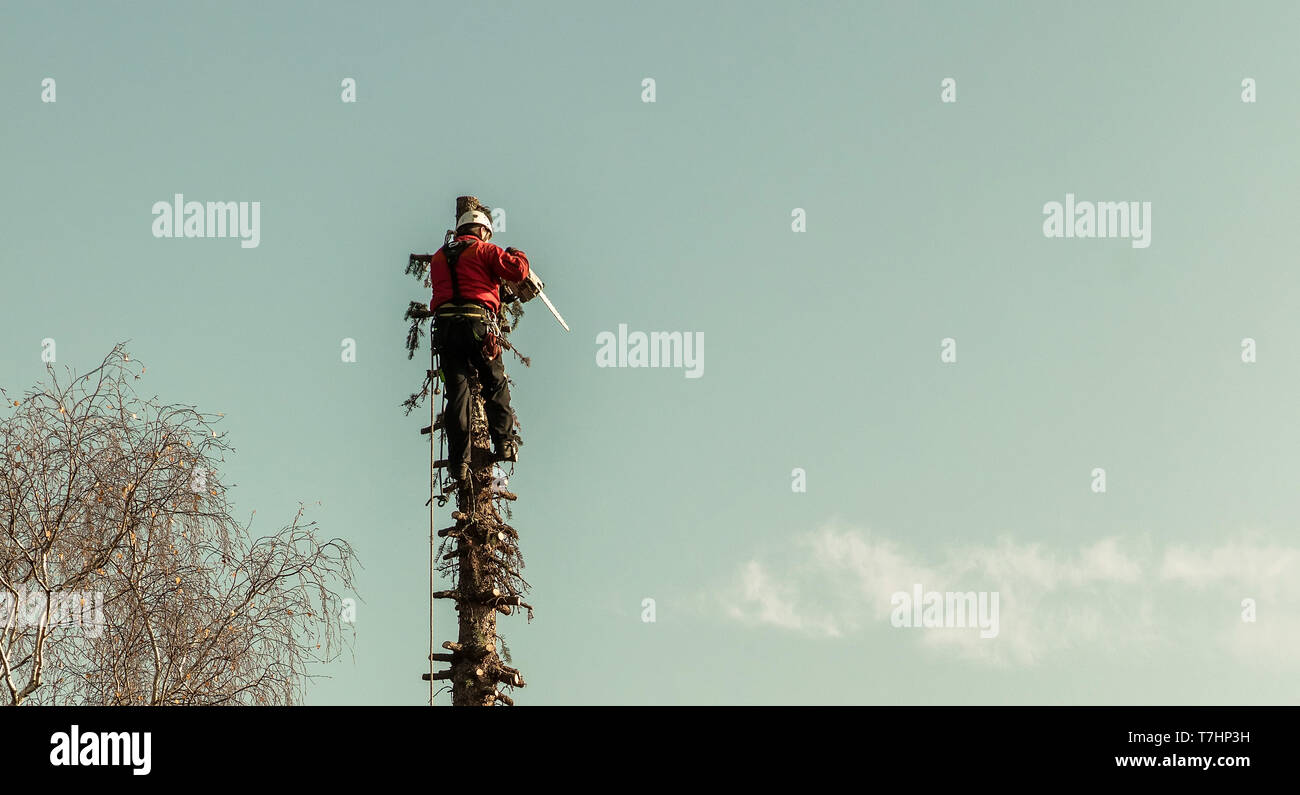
x: 479, y: 270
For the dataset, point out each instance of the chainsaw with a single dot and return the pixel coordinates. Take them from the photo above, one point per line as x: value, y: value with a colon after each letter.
x: 528, y: 289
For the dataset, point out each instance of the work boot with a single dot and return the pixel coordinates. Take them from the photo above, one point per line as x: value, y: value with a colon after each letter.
x: 463, y: 474
x: 506, y: 449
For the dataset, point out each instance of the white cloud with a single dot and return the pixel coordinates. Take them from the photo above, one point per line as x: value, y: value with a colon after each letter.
x: 1109, y: 596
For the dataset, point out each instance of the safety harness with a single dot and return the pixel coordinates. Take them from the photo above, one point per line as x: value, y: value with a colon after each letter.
x: 457, y: 307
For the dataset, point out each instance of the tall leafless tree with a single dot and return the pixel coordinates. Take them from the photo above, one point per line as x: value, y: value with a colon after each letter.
x: 124, y: 578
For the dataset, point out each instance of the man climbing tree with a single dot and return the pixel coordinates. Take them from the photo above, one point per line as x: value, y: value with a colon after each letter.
x: 466, y: 274
x: 478, y: 293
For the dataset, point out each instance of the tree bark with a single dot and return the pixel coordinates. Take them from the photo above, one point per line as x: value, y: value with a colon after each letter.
x: 487, y: 565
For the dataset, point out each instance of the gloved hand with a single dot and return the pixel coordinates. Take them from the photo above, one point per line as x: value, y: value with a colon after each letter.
x: 513, y: 250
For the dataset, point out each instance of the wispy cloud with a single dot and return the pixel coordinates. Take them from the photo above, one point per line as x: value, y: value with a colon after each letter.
x: 1110, y: 596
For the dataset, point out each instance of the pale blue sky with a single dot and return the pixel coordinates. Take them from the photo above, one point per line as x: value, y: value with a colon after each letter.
x: 822, y: 348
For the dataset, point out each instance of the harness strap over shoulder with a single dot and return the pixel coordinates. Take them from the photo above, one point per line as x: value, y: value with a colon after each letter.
x: 452, y: 252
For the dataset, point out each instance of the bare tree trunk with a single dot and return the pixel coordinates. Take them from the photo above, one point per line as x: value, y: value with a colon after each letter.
x: 487, y: 563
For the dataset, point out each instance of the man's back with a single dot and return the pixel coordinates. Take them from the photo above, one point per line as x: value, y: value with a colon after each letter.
x: 480, y: 269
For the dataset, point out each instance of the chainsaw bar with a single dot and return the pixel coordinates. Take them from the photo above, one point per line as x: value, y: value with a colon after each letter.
x: 551, y: 307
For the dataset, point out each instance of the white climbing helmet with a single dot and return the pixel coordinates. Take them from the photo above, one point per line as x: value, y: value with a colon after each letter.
x: 475, y: 217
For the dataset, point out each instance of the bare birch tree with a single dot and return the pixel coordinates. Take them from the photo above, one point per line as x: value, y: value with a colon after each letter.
x: 124, y: 577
